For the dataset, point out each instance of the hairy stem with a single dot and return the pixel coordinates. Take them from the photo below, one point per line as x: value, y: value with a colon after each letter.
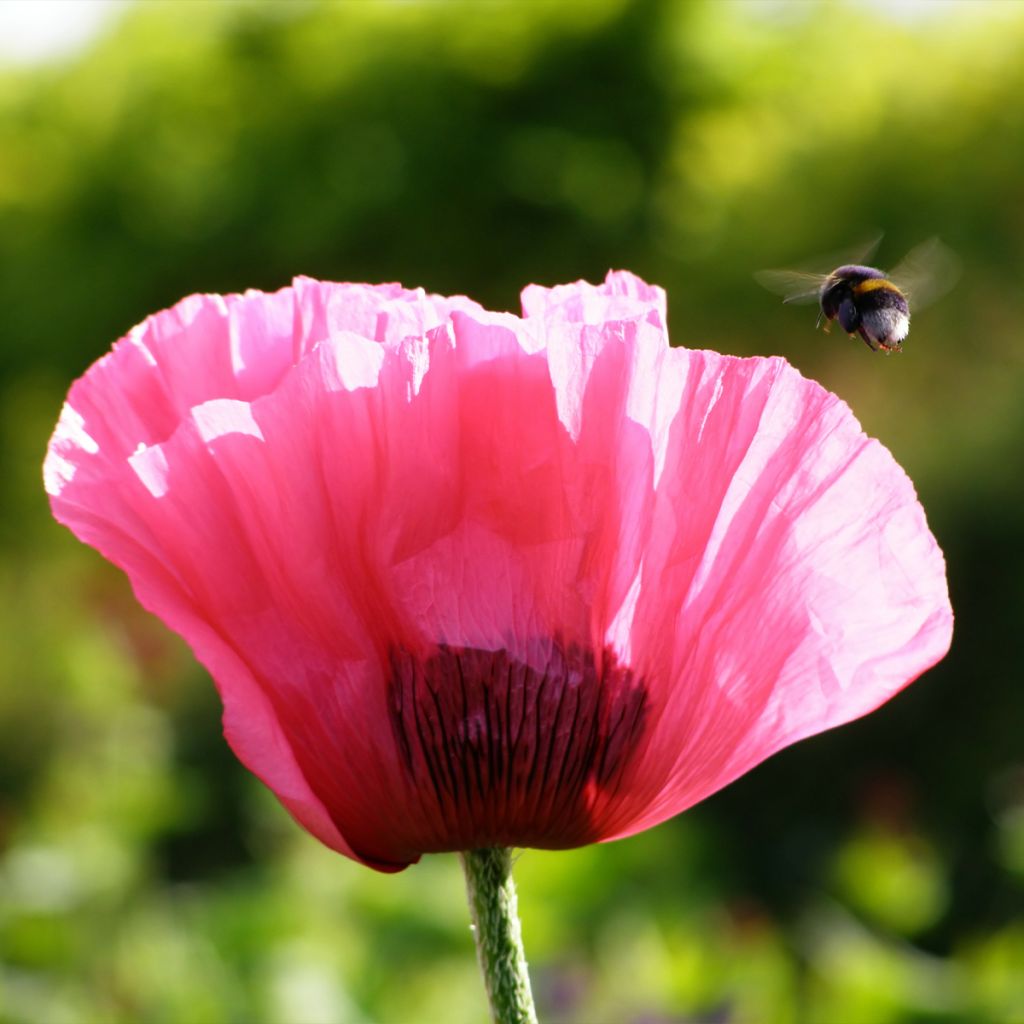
x: 499, y: 941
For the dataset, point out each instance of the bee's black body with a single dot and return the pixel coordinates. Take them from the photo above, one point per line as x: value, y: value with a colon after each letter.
x: 866, y: 302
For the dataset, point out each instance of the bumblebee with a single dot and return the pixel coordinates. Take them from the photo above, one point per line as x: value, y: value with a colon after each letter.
x: 869, y: 302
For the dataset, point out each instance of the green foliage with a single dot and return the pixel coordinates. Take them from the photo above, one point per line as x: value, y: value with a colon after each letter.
x: 873, y: 874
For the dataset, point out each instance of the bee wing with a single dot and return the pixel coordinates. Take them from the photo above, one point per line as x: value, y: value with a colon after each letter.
x: 794, y: 285
x: 805, y: 285
x: 861, y: 253
x: 927, y: 272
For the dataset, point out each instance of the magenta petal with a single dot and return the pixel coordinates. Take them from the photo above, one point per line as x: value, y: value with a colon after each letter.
x: 465, y: 579
x: 791, y: 584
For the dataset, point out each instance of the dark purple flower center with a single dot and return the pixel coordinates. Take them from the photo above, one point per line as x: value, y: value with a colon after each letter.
x: 505, y: 753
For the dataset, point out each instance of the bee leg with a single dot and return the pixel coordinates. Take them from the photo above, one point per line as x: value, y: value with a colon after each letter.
x: 868, y: 341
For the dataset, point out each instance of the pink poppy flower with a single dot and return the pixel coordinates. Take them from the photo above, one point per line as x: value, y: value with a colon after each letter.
x: 465, y: 579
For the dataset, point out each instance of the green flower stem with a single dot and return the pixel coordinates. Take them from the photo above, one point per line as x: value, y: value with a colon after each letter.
x: 499, y: 941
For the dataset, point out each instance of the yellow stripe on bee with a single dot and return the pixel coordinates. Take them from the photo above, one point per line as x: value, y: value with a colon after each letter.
x: 873, y: 284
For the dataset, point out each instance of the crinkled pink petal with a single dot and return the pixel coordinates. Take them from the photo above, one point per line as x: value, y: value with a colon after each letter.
x: 465, y: 579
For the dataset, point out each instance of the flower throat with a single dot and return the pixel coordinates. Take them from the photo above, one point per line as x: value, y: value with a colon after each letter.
x: 516, y: 754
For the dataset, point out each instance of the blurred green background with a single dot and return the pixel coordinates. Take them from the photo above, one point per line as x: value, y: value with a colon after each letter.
x: 873, y: 874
